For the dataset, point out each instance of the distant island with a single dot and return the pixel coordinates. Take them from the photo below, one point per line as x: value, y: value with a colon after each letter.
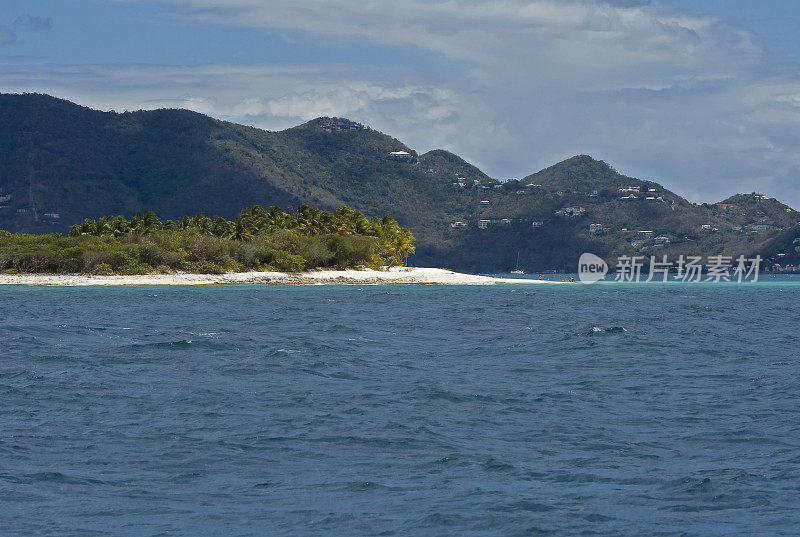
x: 257, y: 240
x: 62, y: 163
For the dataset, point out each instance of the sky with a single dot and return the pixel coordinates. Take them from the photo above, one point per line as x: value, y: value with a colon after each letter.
x: 702, y: 96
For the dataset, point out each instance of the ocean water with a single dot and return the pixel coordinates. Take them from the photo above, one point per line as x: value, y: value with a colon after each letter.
x: 401, y: 410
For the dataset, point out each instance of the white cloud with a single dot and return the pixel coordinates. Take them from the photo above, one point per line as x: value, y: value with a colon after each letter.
x: 544, y: 42
x: 272, y: 97
x: 677, y: 98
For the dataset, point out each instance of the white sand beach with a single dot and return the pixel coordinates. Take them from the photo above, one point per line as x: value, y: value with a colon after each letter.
x: 393, y: 275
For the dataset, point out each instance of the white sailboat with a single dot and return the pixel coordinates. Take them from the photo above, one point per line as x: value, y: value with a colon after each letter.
x: 516, y: 270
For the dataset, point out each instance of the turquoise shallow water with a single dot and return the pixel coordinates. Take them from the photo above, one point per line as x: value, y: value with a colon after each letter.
x: 401, y: 410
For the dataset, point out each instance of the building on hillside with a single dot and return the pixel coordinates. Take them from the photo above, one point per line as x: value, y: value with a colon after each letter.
x: 571, y: 211
x: 400, y: 154
x: 483, y: 224
x: 484, y: 203
x: 505, y: 221
x: 458, y: 224
x: 537, y: 223
x: 595, y: 228
x: 339, y: 127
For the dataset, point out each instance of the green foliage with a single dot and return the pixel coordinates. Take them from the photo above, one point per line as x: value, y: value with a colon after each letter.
x: 258, y: 239
x: 103, y: 269
x: 316, y: 252
x: 209, y: 267
x: 209, y: 248
x: 353, y: 250
x: 134, y: 268
x: 285, y: 262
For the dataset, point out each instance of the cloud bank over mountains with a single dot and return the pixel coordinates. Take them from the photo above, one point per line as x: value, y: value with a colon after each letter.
x: 512, y: 85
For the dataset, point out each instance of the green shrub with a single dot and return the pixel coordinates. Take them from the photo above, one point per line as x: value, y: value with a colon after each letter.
x: 171, y: 240
x: 207, y: 267
x: 253, y: 253
x: 208, y: 248
x: 352, y: 250
x: 155, y: 255
x: 38, y: 261
x: 103, y: 269
x: 285, y: 240
x: 92, y: 259
x: 315, y: 252
x: 134, y: 268
x: 285, y: 262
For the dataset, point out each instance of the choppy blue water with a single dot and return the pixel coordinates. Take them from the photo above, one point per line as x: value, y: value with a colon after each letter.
x: 400, y: 410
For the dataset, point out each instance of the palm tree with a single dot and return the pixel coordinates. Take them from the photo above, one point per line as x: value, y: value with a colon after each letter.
x: 276, y: 219
x: 150, y: 222
x: 306, y: 219
x: 221, y: 227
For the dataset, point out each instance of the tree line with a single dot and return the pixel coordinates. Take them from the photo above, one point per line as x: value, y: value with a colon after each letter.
x: 257, y: 239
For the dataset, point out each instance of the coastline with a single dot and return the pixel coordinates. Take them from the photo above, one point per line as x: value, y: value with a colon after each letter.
x: 393, y: 275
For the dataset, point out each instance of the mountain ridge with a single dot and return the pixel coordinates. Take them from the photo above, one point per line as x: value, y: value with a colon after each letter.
x: 74, y: 162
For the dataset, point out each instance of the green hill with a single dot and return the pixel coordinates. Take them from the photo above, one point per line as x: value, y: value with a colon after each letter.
x: 62, y: 163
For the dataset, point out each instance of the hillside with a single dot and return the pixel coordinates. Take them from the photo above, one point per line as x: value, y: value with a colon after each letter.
x: 62, y: 163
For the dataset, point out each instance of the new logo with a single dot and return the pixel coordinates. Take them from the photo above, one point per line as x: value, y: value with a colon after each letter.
x: 591, y: 268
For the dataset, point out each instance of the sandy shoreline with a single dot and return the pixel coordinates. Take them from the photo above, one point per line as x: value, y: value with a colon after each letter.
x: 394, y: 275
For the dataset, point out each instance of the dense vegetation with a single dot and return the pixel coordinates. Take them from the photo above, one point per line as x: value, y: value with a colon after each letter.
x: 257, y: 239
